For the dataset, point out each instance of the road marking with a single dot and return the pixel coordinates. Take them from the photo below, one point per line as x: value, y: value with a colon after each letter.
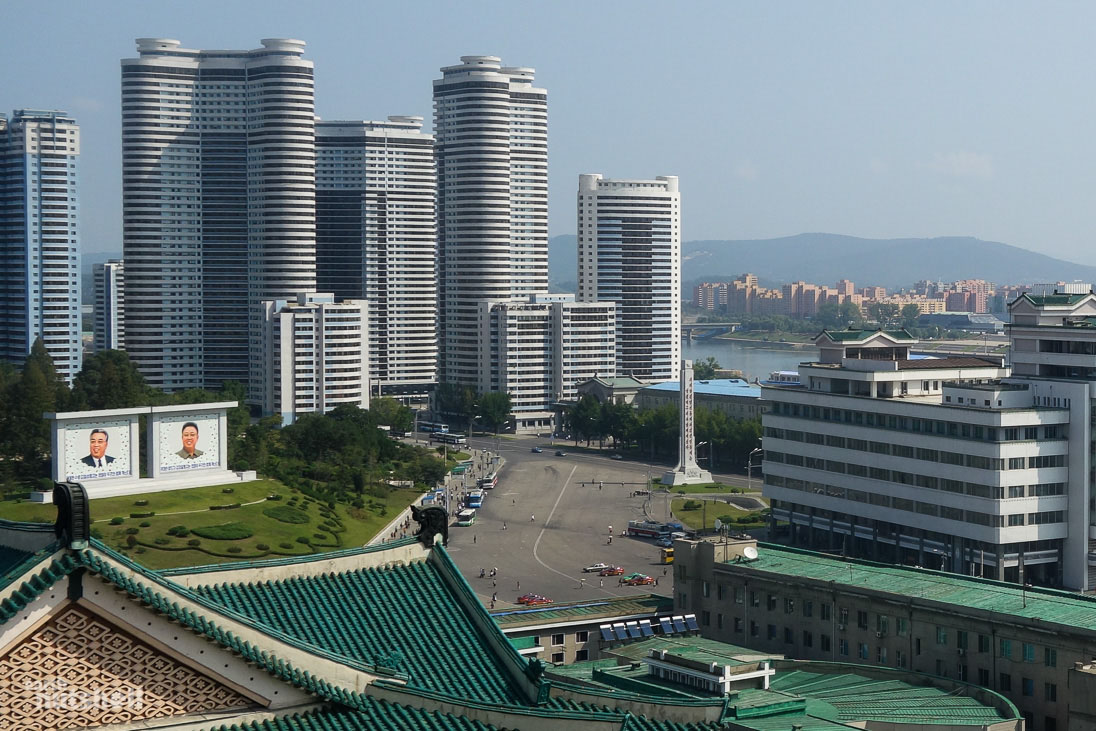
x: 536, y: 544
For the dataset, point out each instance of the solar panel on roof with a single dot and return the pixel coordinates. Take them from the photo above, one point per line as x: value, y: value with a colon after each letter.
x: 645, y: 628
x: 690, y: 622
x: 667, y: 627
x: 679, y: 623
x: 620, y: 631
x: 633, y: 630
x: 607, y: 632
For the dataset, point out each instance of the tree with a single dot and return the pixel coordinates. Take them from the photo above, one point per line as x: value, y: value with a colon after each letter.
x: 494, y: 408
x: 705, y: 370
x: 909, y: 315
x: 391, y: 413
x: 850, y: 313
x: 584, y: 419
x: 884, y: 313
x: 110, y: 380
x: 456, y: 400
x: 39, y: 390
x: 828, y: 315
x: 619, y: 422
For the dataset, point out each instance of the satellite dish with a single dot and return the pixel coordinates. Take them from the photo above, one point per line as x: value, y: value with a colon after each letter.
x: 718, y: 524
x: 749, y: 552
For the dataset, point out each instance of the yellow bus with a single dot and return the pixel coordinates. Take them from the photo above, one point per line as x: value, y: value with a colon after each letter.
x: 666, y: 555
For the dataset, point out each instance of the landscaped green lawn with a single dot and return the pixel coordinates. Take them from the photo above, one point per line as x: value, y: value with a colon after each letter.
x: 716, y: 488
x: 700, y: 519
x: 293, y: 525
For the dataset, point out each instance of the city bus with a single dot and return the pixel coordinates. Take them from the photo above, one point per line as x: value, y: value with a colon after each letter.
x: 466, y: 518
x: 433, y: 427
x: 456, y: 440
x: 490, y: 482
x: 475, y: 499
x: 647, y: 529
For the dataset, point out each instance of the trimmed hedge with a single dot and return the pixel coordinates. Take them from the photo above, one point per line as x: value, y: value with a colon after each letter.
x: 233, y: 506
x: 224, y: 532
x: 149, y: 514
x: 286, y: 514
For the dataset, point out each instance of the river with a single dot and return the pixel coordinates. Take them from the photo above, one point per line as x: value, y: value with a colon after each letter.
x: 754, y: 360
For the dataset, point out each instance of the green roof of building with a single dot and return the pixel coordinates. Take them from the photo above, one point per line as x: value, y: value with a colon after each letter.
x: 851, y: 335
x: 11, y: 558
x: 861, y: 698
x: 397, y: 616
x: 378, y: 715
x: 590, y: 609
x: 1052, y: 300
x: 693, y: 648
x: 1047, y: 605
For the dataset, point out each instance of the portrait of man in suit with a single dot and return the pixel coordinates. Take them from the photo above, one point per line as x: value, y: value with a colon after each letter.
x: 98, y: 458
x: 190, y: 442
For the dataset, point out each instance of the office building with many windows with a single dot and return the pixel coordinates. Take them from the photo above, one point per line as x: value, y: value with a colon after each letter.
x: 109, y: 312
x: 938, y: 462
x: 315, y: 352
x: 376, y: 240
x: 39, y: 238
x: 491, y: 132
x: 218, y: 177
x: 629, y: 252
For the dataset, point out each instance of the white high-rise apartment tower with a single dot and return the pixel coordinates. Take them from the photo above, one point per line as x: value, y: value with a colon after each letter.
x: 491, y: 131
x: 39, y: 241
x: 110, y: 320
x: 629, y: 252
x: 219, y: 185
x: 376, y: 240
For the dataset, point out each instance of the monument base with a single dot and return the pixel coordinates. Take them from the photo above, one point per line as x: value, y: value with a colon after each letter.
x: 688, y: 476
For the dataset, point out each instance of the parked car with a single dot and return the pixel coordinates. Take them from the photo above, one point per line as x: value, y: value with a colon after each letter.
x: 533, y: 600
x: 616, y: 456
x: 536, y: 450
x: 664, y: 543
x: 612, y: 571
x: 639, y: 580
x: 599, y: 566
x: 560, y: 453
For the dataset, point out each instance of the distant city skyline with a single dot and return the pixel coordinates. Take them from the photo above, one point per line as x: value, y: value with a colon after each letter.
x: 870, y: 120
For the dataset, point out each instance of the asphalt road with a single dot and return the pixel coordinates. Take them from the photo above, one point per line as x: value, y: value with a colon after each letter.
x: 548, y: 518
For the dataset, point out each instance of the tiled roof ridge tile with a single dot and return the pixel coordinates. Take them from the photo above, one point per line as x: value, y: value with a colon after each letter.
x: 36, y: 585
x: 286, y: 560
x: 32, y: 559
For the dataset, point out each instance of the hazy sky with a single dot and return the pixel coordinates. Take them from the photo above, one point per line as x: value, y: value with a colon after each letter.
x: 864, y: 118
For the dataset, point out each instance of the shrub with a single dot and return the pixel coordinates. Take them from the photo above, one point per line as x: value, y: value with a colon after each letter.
x: 144, y: 524
x: 161, y: 541
x: 131, y: 541
x: 358, y: 503
x: 305, y: 540
x: 193, y: 542
x: 234, y: 549
x: 173, y: 530
x: 117, y: 520
x: 96, y: 533
x: 224, y: 532
x: 262, y: 547
x: 320, y: 536
x: 228, y: 491
x: 140, y: 503
x: 139, y: 549
x: 286, y: 514
x: 285, y: 544
x: 142, y: 515
x: 692, y: 505
x: 275, y: 496
x: 132, y: 531
x: 232, y: 506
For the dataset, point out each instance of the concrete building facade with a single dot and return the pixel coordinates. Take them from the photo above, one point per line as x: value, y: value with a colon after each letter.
x: 219, y: 186
x: 491, y: 132
x: 629, y: 252
x: 376, y: 240
x: 109, y: 311
x: 39, y: 238
x: 315, y: 352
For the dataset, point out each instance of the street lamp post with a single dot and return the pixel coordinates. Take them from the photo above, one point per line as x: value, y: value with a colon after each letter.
x: 749, y: 468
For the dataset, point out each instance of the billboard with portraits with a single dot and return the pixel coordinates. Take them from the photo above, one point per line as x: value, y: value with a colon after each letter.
x: 188, y: 441
x: 99, y: 449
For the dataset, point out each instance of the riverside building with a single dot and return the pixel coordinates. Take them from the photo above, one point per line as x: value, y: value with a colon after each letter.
x: 39, y: 238
x: 629, y: 252
x: 491, y: 129
x: 219, y: 186
x: 376, y: 240
x: 938, y: 462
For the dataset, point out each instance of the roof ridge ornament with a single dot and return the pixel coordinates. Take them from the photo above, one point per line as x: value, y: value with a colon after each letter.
x: 432, y: 522
x: 73, y: 526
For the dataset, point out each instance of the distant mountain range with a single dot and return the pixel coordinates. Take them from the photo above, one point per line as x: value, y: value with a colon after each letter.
x: 825, y: 258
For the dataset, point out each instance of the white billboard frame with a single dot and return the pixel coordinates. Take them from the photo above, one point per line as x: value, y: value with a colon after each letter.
x: 66, y: 451
x: 164, y: 424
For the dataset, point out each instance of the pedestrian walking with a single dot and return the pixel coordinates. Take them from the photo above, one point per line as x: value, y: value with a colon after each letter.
x: 492, y: 603
x: 663, y: 571
x: 504, y: 525
x: 519, y: 583
x: 532, y: 518
x: 656, y: 581
x: 473, y: 539
x: 494, y: 596
x: 494, y: 583
x: 601, y: 583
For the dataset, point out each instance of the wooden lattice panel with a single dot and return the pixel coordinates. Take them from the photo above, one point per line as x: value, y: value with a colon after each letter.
x: 80, y: 671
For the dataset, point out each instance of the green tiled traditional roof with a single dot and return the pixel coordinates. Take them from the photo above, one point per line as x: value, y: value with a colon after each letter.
x: 1054, y: 300
x: 375, y: 715
x: 693, y: 648
x: 1047, y: 605
x: 401, y: 617
x: 860, y: 698
x: 652, y: 604
x: 841, y: 336
x: 10, y: 558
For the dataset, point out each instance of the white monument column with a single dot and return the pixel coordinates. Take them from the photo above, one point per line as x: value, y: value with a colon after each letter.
x: 687, y: 472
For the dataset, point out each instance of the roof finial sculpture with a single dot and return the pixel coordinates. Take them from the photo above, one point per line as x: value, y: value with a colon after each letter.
x: 432, y: 521
x: 73, y: 526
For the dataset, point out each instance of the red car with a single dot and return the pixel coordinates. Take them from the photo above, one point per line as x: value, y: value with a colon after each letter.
x: 612, y: 571
x: 533, y: 600
x: 639, y: 581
